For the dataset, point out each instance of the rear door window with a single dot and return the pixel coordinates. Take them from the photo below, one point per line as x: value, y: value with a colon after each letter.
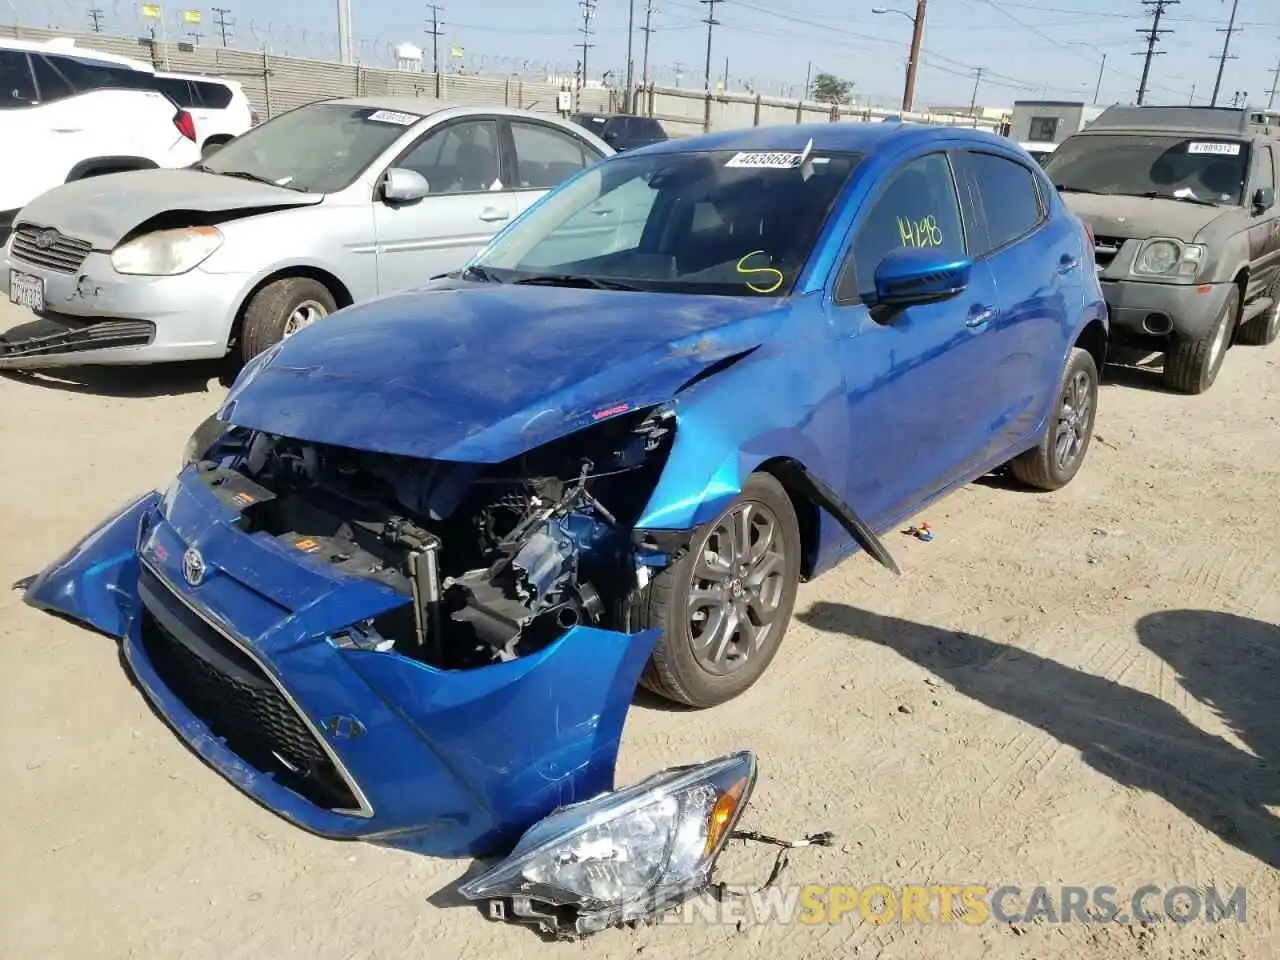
x: 51, y: 85
x: 545, y: 157
x: 1010, y: 199
x: 85, y: 75
x: 178, y: 90
x: 17, y: 89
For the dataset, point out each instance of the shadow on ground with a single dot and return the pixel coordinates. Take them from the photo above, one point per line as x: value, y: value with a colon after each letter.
x: 159, y: 380
x: 1230, y: 663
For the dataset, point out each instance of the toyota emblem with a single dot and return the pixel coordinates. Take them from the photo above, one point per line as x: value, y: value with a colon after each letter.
x: 193, y: 567
x: 46, y: 239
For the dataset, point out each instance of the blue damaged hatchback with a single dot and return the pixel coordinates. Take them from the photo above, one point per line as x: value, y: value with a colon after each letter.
x: 412, y: 571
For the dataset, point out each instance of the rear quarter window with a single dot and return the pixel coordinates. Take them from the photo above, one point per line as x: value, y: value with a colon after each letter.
x: 214, y: 95
x: 179, y: 91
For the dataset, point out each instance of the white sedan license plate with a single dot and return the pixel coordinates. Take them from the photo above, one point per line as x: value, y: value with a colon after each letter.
x: 26, y: 291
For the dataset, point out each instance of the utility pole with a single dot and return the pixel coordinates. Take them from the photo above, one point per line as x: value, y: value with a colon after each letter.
x: 434, y: 33
x: 1192, y: 99
x: 977, y: 79
x: 588, y: 11
x: 1097, y: 90
x: 1275, y: 85
x: 808, y: 73
x: 711, y: 23
x: 221, y: 22
x: 913, y: 64
x: 195, y: 36
x: 345, y: 51
x: 648, y: 29
x: 631, y: 32
x: 1153, y: 36
x: 1226, y: 46
x: 95, y: 14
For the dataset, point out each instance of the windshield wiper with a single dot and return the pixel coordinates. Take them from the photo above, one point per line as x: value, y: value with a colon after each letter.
x: 566, y: 280
x: 481, y: 274
x: 256, y: 178
x: 1067, y: 188
x: 1157, y: 195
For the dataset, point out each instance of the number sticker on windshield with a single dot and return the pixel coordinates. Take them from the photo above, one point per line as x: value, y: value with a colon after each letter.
x: 771, y: 161
x: 1220, y: 149
x: 394, y: 116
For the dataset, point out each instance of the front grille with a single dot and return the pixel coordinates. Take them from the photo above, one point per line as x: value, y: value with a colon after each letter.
x: 49, y: 249
x: 230, y: 693
x: 1105, y: 249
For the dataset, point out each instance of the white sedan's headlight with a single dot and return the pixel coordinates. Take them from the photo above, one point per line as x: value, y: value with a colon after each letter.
x: 167, y: 253
x: 626, y: 855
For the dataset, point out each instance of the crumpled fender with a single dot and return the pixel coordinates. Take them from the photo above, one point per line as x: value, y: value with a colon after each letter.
x: 95, y: 581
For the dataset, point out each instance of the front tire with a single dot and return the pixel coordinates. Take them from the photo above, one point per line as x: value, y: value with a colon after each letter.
x: 280, y: 309
x: 1053, y: 463
x: 724, y: 607
x: 1191, y: 366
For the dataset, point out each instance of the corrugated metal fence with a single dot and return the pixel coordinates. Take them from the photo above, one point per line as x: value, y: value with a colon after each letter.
x: 276, y: 84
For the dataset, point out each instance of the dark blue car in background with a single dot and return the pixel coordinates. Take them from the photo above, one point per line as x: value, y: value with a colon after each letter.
x: 407, y: 582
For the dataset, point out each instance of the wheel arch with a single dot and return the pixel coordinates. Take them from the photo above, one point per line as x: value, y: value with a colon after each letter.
x: 1094, y: 338
x: 98, y: 166
x: 341, y: 294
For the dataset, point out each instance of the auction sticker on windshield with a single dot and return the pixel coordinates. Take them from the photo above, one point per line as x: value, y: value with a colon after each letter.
x: 1220, y: 149
x: 394, y: 116
x: 770, y: 161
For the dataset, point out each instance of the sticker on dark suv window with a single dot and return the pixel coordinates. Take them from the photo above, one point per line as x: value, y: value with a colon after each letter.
x: 1218, y: 149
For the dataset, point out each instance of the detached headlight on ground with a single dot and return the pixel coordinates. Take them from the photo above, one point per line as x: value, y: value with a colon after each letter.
x: 166, y: 253
x: 627, y: 855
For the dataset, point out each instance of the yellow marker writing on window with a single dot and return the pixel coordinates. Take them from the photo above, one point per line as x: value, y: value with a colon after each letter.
x: 761, y: 286
x: 920, y: 233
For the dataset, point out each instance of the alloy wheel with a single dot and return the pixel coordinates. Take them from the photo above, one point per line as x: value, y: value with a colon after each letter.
x: 303, y: 315
x: 1073, y: 419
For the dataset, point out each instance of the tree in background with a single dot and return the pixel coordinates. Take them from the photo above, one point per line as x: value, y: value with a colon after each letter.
x: 829, y: 88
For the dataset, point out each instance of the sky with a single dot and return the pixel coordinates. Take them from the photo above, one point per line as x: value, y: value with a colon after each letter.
x: 1027, y: 50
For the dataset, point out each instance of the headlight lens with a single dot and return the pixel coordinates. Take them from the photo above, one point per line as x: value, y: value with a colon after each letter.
x: 1169, y: 258
x: 202, y: 439
x: 625, y: 855
x: 167, y: 253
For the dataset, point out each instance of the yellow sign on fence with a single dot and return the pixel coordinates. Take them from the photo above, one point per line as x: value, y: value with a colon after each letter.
x: 151, y: 11
x: 191, y: 16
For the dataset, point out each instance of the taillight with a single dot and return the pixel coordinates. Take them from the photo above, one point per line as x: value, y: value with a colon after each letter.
x: 185, y: 124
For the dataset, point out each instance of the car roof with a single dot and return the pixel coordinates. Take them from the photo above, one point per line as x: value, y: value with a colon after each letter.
x: 1206, y: 121
x: 67, y: 47
x: 201, y: 78
x: 846, y: 137
x: 427, y: 106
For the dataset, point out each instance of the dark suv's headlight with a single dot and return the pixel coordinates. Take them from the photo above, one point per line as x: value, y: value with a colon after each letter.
x: 1160, y: 257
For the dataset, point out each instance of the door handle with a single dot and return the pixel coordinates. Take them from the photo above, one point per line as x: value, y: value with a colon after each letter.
x: 980, y: 316
x: 1068, y: 263
x: 602, y: 213
x: 490, y: 214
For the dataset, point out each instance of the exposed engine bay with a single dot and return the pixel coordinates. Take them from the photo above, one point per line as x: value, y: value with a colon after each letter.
x: 495, y: 561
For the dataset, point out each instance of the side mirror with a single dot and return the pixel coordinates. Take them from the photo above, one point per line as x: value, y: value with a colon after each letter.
x: 907, y: 277
x: 400, y: 185
x: 611, y: 136
x: 1264, y: 199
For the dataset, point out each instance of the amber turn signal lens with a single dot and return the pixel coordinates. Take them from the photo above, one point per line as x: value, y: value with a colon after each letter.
x: 724, y: 813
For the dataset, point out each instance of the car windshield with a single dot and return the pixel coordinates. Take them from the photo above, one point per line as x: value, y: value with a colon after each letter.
x: 1204, y: 169
x: 319, y: 148
x: 721, y: 222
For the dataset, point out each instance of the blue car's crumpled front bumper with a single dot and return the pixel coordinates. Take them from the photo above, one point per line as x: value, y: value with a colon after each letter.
x: 448, y: 763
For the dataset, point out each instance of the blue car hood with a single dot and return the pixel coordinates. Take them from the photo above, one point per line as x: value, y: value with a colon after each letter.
x: 484, y: 372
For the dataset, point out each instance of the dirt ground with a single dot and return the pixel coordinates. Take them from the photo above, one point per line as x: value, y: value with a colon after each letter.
x: 1077, y: 688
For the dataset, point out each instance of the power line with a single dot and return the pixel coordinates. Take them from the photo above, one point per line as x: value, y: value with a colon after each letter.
x: 1226, y: 45
x: 1153, y: 35
x: 95, y: 14
x: 711, y: 23
x: 434, y: 33
x: 195, y: 36
x: 222, y: 23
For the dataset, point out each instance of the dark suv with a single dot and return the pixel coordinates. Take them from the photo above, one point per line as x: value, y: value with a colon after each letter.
x: 622, y: 131
x: 1182, y: 205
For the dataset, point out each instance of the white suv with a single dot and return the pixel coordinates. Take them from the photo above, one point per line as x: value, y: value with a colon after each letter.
x: 220, y: 107
x: 68, y: 113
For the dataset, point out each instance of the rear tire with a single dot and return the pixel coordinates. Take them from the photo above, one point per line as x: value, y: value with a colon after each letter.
x: 1055, y: 461
x: 702, y: 597
x: 1264, y: 328
x: 1191, y: 366
x: 281, y: 308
